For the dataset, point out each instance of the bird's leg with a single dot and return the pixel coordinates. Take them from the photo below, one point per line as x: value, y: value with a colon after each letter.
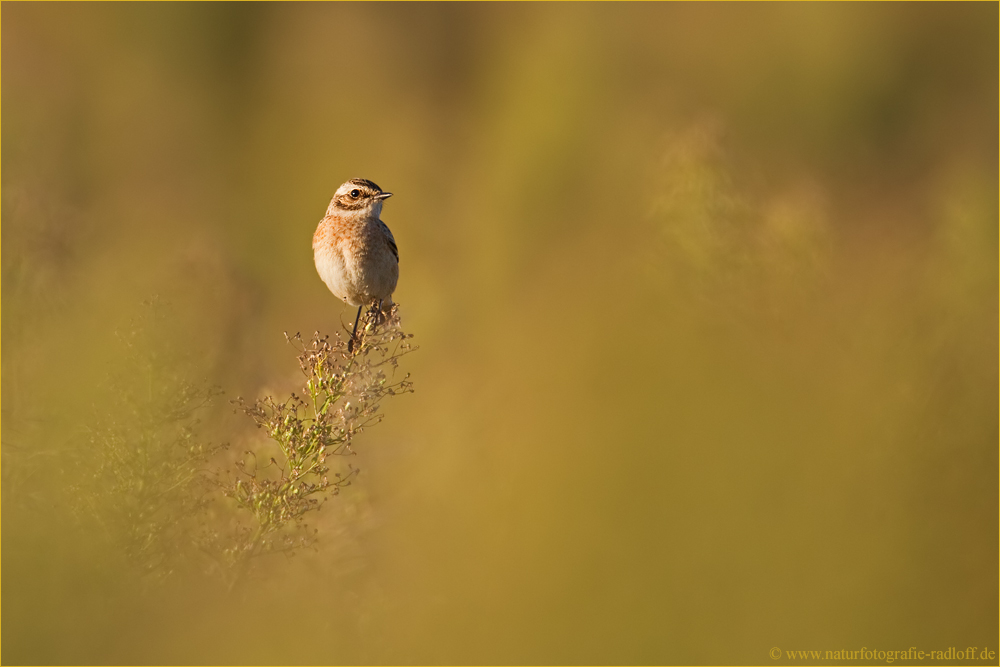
x: 354, y: 331
x: 373, y: 317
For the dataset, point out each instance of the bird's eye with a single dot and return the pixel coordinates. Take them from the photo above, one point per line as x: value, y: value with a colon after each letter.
x: 355, y: 194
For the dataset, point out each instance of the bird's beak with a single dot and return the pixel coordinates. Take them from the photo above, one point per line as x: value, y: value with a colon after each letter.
x: 385, y: 195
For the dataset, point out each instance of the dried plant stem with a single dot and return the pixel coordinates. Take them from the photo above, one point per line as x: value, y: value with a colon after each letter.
x: 342, y: 394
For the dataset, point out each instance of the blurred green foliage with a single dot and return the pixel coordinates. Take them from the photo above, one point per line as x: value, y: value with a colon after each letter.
x: 706, y: 296
x: 140, y: 478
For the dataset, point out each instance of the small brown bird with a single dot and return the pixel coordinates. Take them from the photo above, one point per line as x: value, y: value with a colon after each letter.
x: 355, y: 252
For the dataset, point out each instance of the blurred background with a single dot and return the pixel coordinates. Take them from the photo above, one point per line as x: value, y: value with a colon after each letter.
x: 705, y: 294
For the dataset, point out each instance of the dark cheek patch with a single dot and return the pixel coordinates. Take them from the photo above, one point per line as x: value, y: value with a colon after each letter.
x: 348, y: 203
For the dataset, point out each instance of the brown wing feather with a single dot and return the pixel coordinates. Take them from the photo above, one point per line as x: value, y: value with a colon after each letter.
x: 391, y: 241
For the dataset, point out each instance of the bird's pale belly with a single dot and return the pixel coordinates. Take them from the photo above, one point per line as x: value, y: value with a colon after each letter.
x: 357, y: 280
x: 333, y: 271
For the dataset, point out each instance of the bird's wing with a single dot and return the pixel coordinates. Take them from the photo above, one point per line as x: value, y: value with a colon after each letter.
x: 390, y: 240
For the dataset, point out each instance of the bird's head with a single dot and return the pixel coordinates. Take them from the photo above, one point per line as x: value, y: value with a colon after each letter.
x: 358, y: 196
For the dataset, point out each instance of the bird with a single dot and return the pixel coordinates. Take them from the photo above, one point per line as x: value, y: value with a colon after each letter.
x: 355, y: 253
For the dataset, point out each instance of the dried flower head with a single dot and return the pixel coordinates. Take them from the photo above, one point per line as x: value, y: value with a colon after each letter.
x: 341, y: 398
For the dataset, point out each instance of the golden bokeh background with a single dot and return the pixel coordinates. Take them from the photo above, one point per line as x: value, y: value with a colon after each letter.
x: 706, y: 299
